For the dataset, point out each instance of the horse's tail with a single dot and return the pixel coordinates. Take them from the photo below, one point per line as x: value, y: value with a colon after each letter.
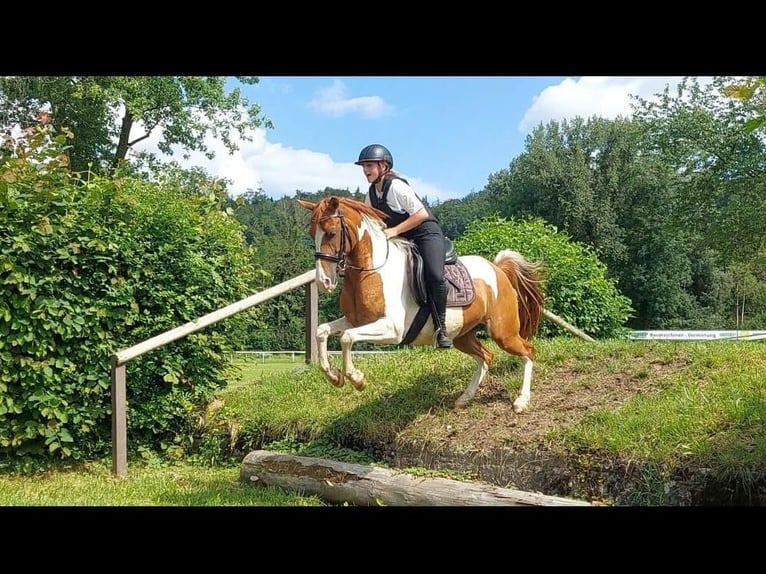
x: 525, y: 278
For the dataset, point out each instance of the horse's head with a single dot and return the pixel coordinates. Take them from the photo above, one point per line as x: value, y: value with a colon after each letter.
x: 332, y: 238
x: 336, y: 225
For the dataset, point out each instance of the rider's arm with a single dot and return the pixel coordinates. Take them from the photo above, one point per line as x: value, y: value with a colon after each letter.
x: 411, y: 222
x: 410, y: 202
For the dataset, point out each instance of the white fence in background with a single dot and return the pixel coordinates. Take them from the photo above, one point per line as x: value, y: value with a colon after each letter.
x: 634, y: 335
x: 263, y: 355
x: 699, y: 335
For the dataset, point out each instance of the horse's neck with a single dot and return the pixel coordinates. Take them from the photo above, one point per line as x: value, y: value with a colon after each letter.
x: 380, y: 246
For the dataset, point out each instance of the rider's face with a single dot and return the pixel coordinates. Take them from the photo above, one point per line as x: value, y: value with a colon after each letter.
x: 373, y: 169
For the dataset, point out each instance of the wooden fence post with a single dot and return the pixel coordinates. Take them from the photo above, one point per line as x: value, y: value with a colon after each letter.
x: 119, y: 421
x: 312, y: 319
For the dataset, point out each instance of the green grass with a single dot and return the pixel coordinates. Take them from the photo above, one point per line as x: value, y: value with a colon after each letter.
x: 713, y: 412
x: 256, y: 367
x: 180, y: 484
x: 301, y: 403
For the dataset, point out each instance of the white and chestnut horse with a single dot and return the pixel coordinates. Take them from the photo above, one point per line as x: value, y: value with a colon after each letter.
x: 380, y: 301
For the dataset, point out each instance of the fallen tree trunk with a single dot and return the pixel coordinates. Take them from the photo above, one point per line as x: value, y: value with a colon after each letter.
x: 363, y: 485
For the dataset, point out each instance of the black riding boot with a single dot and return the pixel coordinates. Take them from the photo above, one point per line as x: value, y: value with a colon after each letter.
x: 439, y: 312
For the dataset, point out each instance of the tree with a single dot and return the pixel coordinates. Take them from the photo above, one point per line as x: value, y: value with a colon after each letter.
x: 704, y: 136
x: 577, y: 287
x: 593, y: 180
x: 455, y: 215
x: 91, y: 266
x: 752, y: 90
x: 104, y: 111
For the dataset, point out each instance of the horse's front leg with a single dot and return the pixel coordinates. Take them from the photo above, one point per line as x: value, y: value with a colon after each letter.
x: 383, y: 332
x: 324, y: 331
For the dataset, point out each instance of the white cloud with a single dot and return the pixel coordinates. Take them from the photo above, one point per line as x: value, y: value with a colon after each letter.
x: 277, y: 169
x: 333, y: 101
x: 607, y: 97
x: 281, y: 170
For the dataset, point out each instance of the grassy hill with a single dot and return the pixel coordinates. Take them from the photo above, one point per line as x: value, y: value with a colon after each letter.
x: 624, y: 423
x: 621, y: 422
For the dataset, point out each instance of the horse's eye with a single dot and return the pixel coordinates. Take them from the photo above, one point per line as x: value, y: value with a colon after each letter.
x: 330, y: 233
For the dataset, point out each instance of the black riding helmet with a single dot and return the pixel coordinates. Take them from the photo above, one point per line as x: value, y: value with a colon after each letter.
x: 375, y: 152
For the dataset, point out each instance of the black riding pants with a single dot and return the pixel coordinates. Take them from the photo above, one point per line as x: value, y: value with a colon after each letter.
x: 429, y: 238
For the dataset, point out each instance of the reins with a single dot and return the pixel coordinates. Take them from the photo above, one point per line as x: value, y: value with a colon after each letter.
x: 340, y: 257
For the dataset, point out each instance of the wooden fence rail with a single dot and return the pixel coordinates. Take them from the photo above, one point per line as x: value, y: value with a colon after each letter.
x: 119, y: 359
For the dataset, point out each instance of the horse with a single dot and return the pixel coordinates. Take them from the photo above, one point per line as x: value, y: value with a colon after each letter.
x: 381, y: 296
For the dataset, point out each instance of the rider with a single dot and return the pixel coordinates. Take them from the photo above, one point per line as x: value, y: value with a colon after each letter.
x: 409, y: 217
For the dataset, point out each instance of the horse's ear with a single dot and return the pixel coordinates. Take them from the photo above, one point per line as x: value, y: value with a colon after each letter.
x: 307, y: 204
x: 334, y: 203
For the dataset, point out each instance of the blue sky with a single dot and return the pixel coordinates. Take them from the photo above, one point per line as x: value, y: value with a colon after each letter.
x: 447, y: 134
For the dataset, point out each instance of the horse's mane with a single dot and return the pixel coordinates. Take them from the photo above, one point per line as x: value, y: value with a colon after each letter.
x: 378, y: 217
x: 375, y: 214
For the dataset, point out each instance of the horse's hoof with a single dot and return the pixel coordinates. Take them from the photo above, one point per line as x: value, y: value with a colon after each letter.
x: 461, y: 403
x: 335, y: 378
x: 519, y: 406
x: 359, y: 381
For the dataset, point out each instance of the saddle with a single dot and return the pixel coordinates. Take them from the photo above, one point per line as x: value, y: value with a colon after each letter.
x: 460, y: 290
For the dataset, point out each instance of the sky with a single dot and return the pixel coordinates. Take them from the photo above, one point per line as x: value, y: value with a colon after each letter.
x: 447, y: 135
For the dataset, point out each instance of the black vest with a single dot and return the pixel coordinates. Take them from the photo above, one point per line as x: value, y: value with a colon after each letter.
x: 394, y: 218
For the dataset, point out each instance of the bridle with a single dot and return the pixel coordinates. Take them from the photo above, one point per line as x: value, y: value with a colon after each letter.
x: 340, y: 256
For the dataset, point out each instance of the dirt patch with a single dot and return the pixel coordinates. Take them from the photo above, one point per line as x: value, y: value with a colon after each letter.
x: 561, y: 397
x: 490, y: 442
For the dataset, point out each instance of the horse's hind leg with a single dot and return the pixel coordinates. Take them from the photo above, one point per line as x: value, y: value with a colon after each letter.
x: 515, y: 345
x: 470, y: 345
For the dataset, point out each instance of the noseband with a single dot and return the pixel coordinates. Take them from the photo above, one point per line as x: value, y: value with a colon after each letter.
x: 340, y: 256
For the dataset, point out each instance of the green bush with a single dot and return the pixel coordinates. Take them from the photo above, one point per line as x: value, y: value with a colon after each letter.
x: 576, y: 285
x: 90, y: 266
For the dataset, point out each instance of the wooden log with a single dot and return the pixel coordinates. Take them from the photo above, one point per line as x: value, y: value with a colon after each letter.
x: 362, y: 485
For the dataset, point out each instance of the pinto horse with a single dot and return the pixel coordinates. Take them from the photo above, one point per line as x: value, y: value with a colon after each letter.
x: 380, y: 298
